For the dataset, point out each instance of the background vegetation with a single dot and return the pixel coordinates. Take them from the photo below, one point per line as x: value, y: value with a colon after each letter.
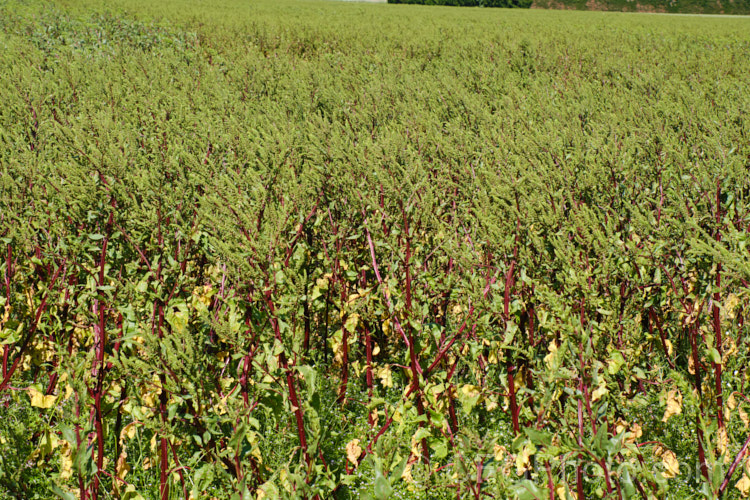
x: 741, y: 7
x: 470, y: 3
x: 284, y: 250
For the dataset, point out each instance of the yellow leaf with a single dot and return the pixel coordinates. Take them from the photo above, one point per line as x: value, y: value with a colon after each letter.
x: 732, y: 402
x: 122, y: 468
x: 387, y: 327
x: 549, y: 359
x: 669, y: 461
x: 562, y: 492
x: 66, y: 461
x: 385, y: 375
x: 284, y: 479
x: 523, y: 462
x: 6, y: 316
x: 397, y: 417
x: 730, y: 349
x: 729, y: 306
x: 376, y: 350
x: 203, y: 294
x: 40, y: 400
x: 674, y: 404
x: 492, y: 357
x: 351, y: 322
x: 352, y: 298
x: 353, y: 451
x: 470, y: 391
x: 499, y: 452
x: 723, y: 442
x: 744, y: 417
x: 599, y: 391
x: 406, y: 474
x: 127, y: 432
x: 635, y: 433
x: 670, y: 347
x: 743, y: 485
x: 415, y: 446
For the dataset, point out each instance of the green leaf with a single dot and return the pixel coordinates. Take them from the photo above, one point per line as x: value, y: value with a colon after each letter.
x: 441, y: 449
x: 527, y: 490
x: 715, y: 356
x: 309, y: 374
x: 543, y: 438
x: 62, y: 494
x: 626, y: 484
x: 383, y: 489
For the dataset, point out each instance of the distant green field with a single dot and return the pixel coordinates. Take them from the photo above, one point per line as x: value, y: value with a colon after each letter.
x: 311, y: 249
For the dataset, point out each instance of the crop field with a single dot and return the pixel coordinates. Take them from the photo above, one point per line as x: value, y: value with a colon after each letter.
x: 306, y: 249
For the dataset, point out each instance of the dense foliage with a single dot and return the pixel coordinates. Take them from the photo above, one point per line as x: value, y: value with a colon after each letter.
x: 471, y: 3
x: 286, y: 250
x: 730, y: 7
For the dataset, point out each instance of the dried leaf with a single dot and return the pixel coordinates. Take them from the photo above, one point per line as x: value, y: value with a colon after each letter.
x: 674, y: 404
x: 723, y: 442
x: 743, y: 485
x: 121, y: 467
x: 732, y: 402
x: 669, y: 461
x: 127, y: 432
x: 353, y: 451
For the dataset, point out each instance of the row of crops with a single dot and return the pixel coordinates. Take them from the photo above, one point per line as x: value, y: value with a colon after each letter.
x: 326, y: 250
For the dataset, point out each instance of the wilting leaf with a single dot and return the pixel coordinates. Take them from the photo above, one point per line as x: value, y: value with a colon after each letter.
x: 669, y: 461
x: 40, y: 400
x: 674, y: 404
x: 523, y: 461
x: 353, y: 451
x: 599, y: 391
x: 743, y: 485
